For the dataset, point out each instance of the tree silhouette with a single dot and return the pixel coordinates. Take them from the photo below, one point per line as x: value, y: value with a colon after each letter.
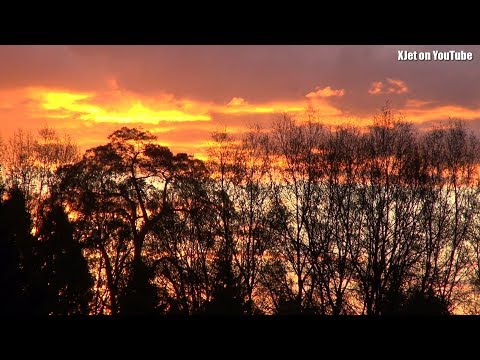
x: 29, y: 163
x: 140, y: 296
x: 20, y: 282
x: 63, y: 266
x: 299, y: 218
x: 227, y: 298
x: 425, y: 303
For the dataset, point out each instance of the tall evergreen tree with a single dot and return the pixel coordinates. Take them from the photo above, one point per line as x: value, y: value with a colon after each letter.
x: 63, y: 267
x: 17, y: 280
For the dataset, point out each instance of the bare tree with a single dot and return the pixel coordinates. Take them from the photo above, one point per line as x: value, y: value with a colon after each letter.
x: 29, y: 163
x: 253, y: 206
x: 449, y: 206
x: 297, y: 153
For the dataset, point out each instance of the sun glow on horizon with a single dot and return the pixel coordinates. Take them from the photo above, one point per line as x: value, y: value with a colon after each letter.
x: 185, y: 124
x: 82, y: 106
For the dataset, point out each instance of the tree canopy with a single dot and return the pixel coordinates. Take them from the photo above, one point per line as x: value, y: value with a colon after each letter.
x: 300, y: 218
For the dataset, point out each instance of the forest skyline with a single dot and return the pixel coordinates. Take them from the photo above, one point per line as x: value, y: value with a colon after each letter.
x: 238, y: 180
x: 184, y: 93
x: 299, y: 219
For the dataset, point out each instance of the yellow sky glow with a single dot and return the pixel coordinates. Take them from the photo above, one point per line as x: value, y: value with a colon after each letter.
x: 134, y: 114
x: 185, y: 124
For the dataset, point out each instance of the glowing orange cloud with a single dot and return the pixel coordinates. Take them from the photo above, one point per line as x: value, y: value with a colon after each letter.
x: 83, y: 106
x: 240, y: 105
x: 391, y: 86
x: 416, y: 103
x: 122, y: 107
x: 237, y: 102
x: 421, y: 114
x: 325, y: 92
x: 127, y: 109
x: 376, y: 88
x: 186, y: 124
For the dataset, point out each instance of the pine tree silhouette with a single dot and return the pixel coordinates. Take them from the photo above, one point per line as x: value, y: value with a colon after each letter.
x: 63, y: 267
x: 19, y: 282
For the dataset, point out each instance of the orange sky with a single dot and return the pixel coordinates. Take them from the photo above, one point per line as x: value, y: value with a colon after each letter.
x: 183, y: 93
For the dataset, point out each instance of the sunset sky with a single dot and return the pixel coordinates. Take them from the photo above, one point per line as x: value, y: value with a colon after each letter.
x: 183, y: 93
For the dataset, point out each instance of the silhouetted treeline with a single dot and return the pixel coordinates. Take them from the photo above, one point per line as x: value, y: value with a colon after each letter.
x: 297, y: 219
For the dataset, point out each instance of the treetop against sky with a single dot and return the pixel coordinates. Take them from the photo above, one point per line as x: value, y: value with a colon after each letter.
x: 184, y: 93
